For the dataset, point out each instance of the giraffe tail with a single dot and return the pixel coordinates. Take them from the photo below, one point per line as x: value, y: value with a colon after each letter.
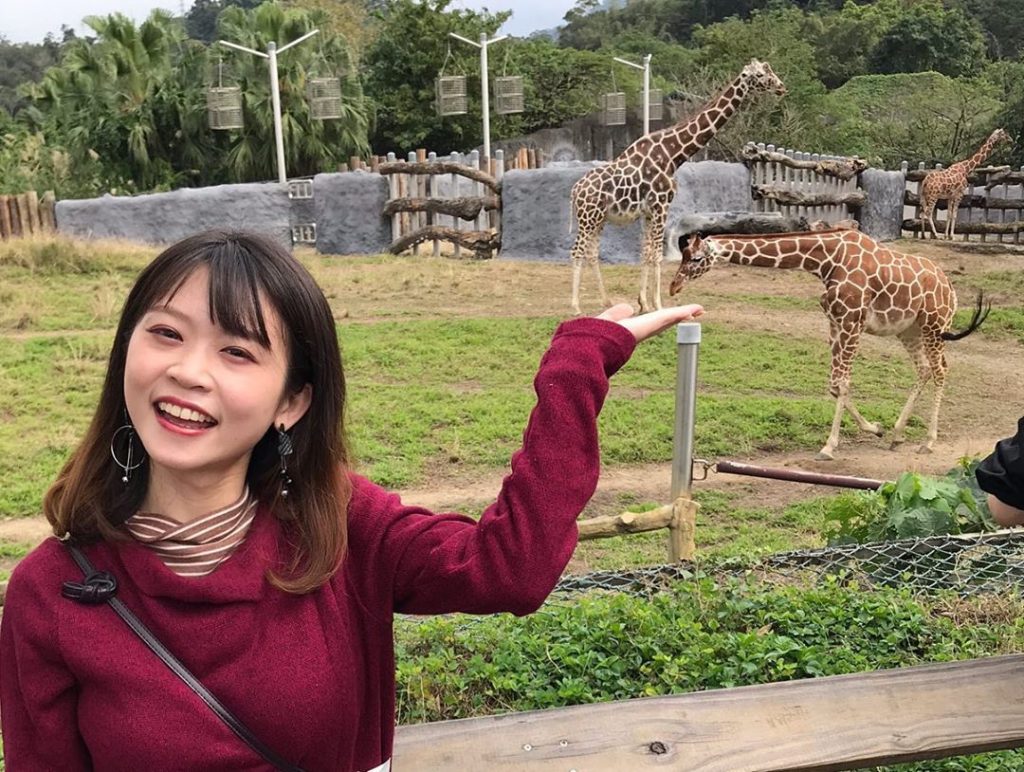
x: 981, y: 311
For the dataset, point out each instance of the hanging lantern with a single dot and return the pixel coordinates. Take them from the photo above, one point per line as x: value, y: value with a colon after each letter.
x: 451, y: 95
x: 324, y: 98
x: 613, y: 108
x: 224, y: 107
x: 656, y: 105
x: 508, y: 94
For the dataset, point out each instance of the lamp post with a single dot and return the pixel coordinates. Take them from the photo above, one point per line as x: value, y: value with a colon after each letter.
x: 275, y: 90
x: 646, y: 67
x: 485, y: 106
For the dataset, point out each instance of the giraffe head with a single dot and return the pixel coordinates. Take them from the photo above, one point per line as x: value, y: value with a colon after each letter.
x: 999, y: 135
x: 762, y: 77
x: 698, y: 256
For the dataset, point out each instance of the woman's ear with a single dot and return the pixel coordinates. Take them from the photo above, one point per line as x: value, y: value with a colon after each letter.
x: 294, y: 406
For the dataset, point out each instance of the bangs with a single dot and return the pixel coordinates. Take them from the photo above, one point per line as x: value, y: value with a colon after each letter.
x: 233, y: 292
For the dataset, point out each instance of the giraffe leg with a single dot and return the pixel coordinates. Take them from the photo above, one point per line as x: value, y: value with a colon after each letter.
x: 605, y: 302
x: 935, y: 351
x: 951, y: 215
x: 911, y: 340
x: 844, y: 339
x: 927, y: 213
x: 584, y: 249
x: 656, y: 245
x: 645, y: 270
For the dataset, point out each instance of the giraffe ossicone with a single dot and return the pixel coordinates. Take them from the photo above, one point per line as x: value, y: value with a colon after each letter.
x: 641, y: 183
x: 950, y: 185
x: 868, y: 289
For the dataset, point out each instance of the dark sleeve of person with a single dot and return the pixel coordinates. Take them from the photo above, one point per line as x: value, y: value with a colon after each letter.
x: 1002, y: 472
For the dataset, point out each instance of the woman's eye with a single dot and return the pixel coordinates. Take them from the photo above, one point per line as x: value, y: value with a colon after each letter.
x: 165, y: 332
x: 238, y: 353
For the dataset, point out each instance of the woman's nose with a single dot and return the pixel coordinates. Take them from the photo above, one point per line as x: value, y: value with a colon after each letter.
x: 191, y: 369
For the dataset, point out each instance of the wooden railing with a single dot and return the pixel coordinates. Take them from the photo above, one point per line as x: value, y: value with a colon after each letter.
x: 26, y: 214
x: 831, y: 723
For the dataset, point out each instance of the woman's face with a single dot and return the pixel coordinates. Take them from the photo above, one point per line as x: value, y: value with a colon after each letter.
x: 200, y: 398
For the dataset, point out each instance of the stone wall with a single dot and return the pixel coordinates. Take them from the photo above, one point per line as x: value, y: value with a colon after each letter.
x: 349, y: 219
x: 163, y: 218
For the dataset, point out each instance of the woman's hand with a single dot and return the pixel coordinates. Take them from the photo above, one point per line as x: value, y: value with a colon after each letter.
x: 650, y: 324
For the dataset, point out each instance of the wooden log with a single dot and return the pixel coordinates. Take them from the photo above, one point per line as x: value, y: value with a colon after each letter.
x: 12, y: 208
x: 972, y: 200
x: 32, y: 209
x: 627, y: 522
x: 6, y: 227
x: 843, y: 169
x: 48, y: 212
x: 831, y: 723
x: 682, y: 530
x: 23, y: 218
x: 441, y: 167
x: 853, y: 199
x: 969, y: 227
x: 483, y: 243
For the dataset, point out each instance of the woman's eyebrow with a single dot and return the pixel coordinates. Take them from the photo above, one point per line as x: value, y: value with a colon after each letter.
x: 169, y: 310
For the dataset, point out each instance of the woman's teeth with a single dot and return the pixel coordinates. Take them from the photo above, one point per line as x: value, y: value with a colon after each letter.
x: 184, y: 413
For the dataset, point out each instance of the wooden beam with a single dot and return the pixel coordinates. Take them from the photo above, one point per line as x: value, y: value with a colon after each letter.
x: 969, y: 200
x: 627, y: 522
x: 820, y: 724
x: 854, y: 199
x: 465, y: 208
x: 32, y: 205
x: 6, y: 226
x: 844, y: 169
x: 997, y: 175
x: 23, y: 216
x: 483, y: 243
x: 440, y: 167
x: 48, y: 212
x: 1016, y: 226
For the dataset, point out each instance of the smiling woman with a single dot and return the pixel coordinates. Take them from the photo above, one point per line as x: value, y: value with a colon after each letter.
x: 213, y: 498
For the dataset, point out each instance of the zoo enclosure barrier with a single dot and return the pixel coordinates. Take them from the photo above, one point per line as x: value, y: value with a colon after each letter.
x: 26, y: 214
x: 808, y: 185
x: 992, y: 205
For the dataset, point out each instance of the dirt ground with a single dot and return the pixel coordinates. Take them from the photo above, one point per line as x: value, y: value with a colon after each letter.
x: 983, y: 408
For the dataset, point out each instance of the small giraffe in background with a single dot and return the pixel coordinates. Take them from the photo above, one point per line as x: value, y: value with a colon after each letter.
x: 641, y: 182
x: 950, y: 184
x: 868, y: 288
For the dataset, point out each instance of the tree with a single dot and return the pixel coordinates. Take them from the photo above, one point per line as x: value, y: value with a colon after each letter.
x: 410, y: 51
x: 928, y: 36
x: 201, y: 19
x: 23, y: 63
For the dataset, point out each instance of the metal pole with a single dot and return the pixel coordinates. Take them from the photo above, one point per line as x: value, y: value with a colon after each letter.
x: 647, y: 94
x: 275, y: 98
x: 485, y: 106
x: 688, y: 346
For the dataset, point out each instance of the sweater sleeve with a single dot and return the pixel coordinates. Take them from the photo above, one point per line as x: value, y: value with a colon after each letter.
x: 38, y: 694
x: 1002, y: 472
x: 512, y: 557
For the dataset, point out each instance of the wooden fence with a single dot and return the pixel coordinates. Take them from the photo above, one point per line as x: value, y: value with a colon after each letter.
x: 523, y: 158
x: 455, y: 200
x: 992, y: 206
x: 27, y: 214
x: 809, y: 185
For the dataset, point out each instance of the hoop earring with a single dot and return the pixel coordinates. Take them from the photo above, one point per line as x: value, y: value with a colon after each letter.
x: 284, y: 449
x: 127, y: 466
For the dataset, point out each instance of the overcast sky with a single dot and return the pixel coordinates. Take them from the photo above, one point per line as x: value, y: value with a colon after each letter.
x: 28, y: 21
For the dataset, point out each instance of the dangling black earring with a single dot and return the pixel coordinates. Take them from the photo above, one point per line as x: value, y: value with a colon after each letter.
x: 127, y: 465
x: 284, y: 449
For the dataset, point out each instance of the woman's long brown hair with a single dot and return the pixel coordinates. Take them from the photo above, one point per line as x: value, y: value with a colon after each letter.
x: 90, y: 502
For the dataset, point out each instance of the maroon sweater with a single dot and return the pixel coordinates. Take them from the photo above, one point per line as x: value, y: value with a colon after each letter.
x: 311, y: 675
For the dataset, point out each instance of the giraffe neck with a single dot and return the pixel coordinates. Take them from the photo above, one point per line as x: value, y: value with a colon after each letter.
x: 686, y: 138
x: 983, y: 152
x: 815, y: 253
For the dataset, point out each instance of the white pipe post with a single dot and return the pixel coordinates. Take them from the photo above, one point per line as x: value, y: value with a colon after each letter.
x: 485, y: 102
x: 688, y: 346
x: 275, y: 98
x: 647, y: 94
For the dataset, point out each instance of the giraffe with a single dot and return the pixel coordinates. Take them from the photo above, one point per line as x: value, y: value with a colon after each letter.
x: 950, y: 184
x: 868, y: 288
x: 641, y: 182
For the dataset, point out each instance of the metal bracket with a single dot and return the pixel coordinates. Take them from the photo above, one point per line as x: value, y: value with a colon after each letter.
x: 704, y: 465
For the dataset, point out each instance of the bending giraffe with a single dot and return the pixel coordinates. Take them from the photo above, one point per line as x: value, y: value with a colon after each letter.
x: 950, y: 184
x: 868, y: 288
x: 641, y: 182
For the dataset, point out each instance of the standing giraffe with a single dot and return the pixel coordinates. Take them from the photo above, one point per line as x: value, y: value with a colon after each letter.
x: 868, y: 288
x: 641, y: 182
x: 950, y: 183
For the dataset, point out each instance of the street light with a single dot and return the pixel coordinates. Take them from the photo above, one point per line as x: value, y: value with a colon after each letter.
x: 275, y: 91
x: 485, y: 106
x: 646, y: 67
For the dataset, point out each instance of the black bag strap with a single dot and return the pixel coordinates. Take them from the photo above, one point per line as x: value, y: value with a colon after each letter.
x: 101, y: 587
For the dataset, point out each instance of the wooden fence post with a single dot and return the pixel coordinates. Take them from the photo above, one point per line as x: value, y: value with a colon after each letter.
x: 6, y: 226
